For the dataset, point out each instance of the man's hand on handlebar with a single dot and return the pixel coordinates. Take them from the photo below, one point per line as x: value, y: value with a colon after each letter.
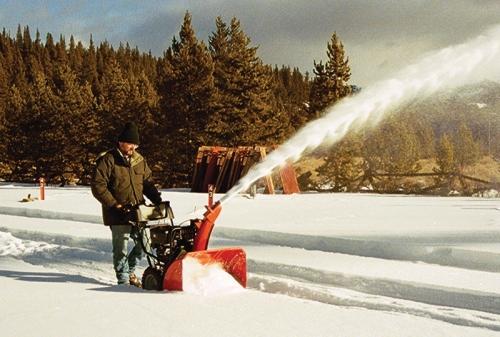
x: 124, y: 209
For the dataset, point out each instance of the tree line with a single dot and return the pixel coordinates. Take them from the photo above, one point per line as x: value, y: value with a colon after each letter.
x: 61, y: 104
x: 388, y: 159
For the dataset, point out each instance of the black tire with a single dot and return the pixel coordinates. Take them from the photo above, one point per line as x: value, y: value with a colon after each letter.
x: 152, y: 279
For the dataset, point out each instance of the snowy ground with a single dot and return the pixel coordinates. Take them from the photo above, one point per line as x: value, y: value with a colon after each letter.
x: 319, y: 265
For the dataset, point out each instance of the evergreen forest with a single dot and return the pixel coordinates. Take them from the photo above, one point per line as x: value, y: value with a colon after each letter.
x: 63, y: 103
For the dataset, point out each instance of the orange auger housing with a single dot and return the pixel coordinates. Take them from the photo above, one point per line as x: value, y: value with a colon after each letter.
x: 232, y: 260
x: 169, y: 245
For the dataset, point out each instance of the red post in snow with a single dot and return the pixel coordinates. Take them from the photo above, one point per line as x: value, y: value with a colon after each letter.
x: 42, y: 188
x: 211, y: 191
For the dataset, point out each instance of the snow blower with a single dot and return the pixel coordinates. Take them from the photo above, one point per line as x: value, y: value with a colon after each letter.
x: 169, y: 245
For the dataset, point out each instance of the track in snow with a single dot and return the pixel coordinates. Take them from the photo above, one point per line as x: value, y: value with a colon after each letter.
x: 90, y: 259
x: 349, y: 298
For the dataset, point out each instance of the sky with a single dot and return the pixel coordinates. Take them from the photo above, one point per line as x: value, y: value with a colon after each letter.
x: 379, y: 36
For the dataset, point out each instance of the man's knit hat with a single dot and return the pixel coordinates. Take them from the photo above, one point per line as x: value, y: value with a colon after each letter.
x: 130, y: 134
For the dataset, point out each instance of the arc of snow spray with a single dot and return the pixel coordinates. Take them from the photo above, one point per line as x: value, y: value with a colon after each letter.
x: 447, y: 68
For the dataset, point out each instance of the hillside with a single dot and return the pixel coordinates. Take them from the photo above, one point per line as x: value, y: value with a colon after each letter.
x: 427, y: 121
x: 478, y: 105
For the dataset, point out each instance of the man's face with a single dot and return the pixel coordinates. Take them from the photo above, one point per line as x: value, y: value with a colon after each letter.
x: 127, y: 148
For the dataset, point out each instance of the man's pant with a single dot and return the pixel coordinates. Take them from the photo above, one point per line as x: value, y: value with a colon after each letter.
x: 123, y: 261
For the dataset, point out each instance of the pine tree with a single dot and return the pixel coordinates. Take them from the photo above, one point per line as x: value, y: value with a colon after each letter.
x: 30, y: 130
x: 187, y: 88
x: 143, y: 104
x: 292, y: 89
x: 224, y: 127
x: 37, y: 45
x: 19, y: 38
x: 19, y: 77
x: 4, y: 89
x: 13, y: 111
x: 114, y: 105
x: 7, y: 52
x: 246, y: 112
x: 26, y: 46
x: 50, y: 56
x: 330, y: 82
x: 75, y: 56
x: 446, y: 162
x: 50, y: 45
x: 77, y: 127
x: 467, y: 150
x: 4, y: 92
x: 445, y: 155
x: 62, y: 56
x: 342, y: 167
x: 89, y: 72
x: 425, y: 135
x: 391, y: 149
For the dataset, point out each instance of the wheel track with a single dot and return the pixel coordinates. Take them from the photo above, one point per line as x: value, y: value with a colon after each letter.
x: 348, y: 298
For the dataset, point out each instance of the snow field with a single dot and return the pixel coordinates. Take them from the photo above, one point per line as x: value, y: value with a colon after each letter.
x: 441, y: 282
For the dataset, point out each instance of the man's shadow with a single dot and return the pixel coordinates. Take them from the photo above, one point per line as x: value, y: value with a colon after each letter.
x: 51, y: 277
x: 29, y: 276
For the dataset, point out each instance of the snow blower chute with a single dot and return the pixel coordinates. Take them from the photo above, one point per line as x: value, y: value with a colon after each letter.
x: 170, y: 245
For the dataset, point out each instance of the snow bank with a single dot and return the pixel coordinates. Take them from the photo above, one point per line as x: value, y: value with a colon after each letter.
x: 9, y: 245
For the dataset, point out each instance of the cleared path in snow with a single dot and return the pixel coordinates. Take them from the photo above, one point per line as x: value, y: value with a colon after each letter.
x: 55, y: 303
x: 371, y: 284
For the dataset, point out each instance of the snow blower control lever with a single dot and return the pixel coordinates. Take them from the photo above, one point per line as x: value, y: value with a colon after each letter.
x: 169, y: 245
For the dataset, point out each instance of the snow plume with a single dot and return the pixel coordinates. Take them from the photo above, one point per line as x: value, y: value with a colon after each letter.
x: 447, y: 68
x: 206, y: 279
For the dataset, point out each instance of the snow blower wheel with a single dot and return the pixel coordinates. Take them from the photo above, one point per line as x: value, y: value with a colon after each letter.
x: 152, y: 279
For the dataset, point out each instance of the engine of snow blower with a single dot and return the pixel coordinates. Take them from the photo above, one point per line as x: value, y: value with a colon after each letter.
x: 170, y: 244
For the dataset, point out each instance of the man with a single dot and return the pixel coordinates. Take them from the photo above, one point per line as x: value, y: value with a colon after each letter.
x: 122, y: 178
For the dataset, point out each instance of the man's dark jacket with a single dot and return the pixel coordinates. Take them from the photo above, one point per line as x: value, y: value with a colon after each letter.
x: 118, y: 182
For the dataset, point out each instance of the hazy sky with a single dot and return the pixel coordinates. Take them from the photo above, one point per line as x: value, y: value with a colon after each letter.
x: 380, y: 36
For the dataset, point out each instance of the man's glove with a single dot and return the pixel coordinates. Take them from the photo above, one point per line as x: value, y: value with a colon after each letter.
x: 157, y: 202
x: 123, y: 209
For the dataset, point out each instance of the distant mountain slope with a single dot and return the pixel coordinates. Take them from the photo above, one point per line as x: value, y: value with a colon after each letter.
x: 478, y: 105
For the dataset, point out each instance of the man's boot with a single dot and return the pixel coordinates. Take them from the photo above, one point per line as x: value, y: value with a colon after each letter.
x: 135, y: 281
